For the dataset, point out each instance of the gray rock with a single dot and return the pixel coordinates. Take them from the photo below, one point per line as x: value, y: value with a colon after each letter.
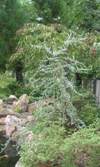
x: 11, y: 99
x: 19, y: 164
x: 11, y: 124
x: 22, y: 104
x: 32, y: 107
x: 1, y: 105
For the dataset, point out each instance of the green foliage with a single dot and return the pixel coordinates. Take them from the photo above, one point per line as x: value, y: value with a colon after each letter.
x: 19, y: 89
x: 89, y: 114
x: 77, y: 13
x: 34, y: 38
x: 83, y: 13
x: 85, y: 103
x: 44, y: 146
x: 12, y: 17
x: 31, y: 38
x: 18, y: 110
x: 51, y: 81
x: 44, y: 45
x: 46, y: 9
x: 5, y: 80
x: 41, y: 43
x: 29, y: 10
x: 82, y: 148
x: 9, y: 86
x: 50, y: 147
x: 49, y: 57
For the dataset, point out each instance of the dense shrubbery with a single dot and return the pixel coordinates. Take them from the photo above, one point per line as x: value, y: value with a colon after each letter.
x: 78, y: 13
x: 85, y: 103
x: 49, y: 146
x: 45, y: 146
x: 82, y: 149
x: 89, y: 113
x: 18, y: 89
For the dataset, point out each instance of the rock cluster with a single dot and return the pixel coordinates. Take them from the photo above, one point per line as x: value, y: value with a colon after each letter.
x: 15, y: 113
x: 15, y: 116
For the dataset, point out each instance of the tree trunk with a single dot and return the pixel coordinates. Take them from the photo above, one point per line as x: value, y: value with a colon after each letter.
x: 19, y: 72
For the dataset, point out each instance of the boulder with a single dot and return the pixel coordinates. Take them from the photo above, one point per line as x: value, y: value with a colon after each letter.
x: 30, y: 118
x: 1, y: 105
x: 22, y: 104
x: 2, y: 121
x: 19, y: 164
x: 11, y: 124
x: 32, y: 107
x: 41, y: 103
x: 11, y: 99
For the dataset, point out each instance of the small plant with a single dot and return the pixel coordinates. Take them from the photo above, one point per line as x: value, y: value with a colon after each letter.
x: 18, y: 110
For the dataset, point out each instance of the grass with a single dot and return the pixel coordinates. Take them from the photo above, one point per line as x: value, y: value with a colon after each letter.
x: 5, y: 80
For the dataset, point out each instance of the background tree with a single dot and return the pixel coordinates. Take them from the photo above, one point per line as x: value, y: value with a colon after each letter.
x: 77, y: 13
x: 12, y: 17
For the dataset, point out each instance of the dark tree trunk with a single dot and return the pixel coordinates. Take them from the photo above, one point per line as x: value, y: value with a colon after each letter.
x: 19, y: 72
x: 78, y: 80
